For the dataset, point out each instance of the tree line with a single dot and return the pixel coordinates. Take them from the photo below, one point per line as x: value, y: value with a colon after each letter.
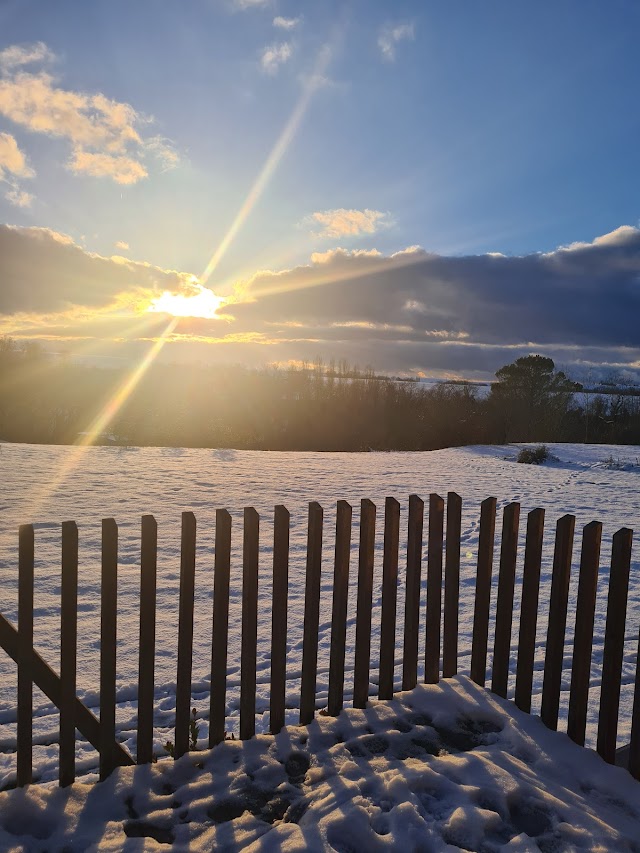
x: 329, y: 407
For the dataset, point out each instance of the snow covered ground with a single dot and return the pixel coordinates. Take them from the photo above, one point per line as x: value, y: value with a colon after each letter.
x: 49, y: 484
x: 440, y: 768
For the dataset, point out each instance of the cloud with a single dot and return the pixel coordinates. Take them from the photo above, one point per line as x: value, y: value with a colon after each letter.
x: 348, y: 223
x: 17, y: 55
x: 286, y: 23
x: 120, y: 244
x: 12, y: 159
x: 250, y: 4
x: 389, y: 37
x: 107, y: 137
x: 274, y: 56
x: 18, y: 197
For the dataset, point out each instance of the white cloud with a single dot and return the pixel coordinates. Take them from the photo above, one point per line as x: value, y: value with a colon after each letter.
x: 275, y: 56
x: 18, y: 197
x: 12, y: 158
x: 120, y: 244
x: 17, y: 55
x: 348, y: 223
x: 106, y: 136
x: 389, y: 37
x: 250, y: 4
x: 286, y: 23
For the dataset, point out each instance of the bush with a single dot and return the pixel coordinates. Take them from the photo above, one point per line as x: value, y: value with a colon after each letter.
x: 533, y: 455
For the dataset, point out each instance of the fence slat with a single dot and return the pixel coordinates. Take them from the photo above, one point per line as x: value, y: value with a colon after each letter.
x: 248, y: 648
x: 451, y: 585
x: 279, y: 618
x: 221, y: 572
x: 108, y: 619
x: 504, y: 605
x: 389, y: 597
x: 68, y: 652
x: 147, y: 648
x: 483, y: 591
x: 339, y: 608
x: 554, y: 654
x: 434, y: 590
x: 412, y: 593
x: 311, y: 615
x: 583, y: 638
x: 24, y: 759
x: 634, y: 745
x: 363, y: 609
x: 185, y: 633
x: 614, y: 644
x: 529, y: 608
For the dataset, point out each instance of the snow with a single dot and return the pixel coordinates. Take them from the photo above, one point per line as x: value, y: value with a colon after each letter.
x: 47, y: 485
x: 439, y: 768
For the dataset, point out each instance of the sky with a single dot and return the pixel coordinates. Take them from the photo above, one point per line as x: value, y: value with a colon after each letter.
x: 431, y: 188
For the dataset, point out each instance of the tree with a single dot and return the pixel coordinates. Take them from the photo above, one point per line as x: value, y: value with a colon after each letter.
x: 531, y: 399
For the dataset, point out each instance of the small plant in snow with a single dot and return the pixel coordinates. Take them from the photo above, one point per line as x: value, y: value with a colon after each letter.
x: 533, y: 455
x: 194, y: 729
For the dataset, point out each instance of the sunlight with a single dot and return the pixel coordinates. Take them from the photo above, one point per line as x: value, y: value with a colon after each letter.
x: 203, y: 304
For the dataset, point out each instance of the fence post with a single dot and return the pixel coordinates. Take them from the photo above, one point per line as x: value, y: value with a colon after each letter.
x: 483, y: 591
x: 614, y: 644
x: 412, y: 593
x: 363, y: 609
x: 339, y: 608
x: 279, y: 618
x: 634, y: 745
x: 220, y: 630
x: 504, y: 605
x: 147, y: 647
x: 529, y: 608
x: 185, y: 633
x: 554, y: 654
x: 451, y: 585
x: 311, y: 615
x: 583, y: 636
x: 24, y: 759
x: 434, y: 590
x: 68, y: 652
x: 108, y: 618
x: 389, y: 598
x: 248, y: 648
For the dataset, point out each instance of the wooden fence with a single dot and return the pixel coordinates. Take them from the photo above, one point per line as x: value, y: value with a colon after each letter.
x: 440, y: 624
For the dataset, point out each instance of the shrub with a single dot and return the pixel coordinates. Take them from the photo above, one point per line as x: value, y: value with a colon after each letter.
x: 533, y: 455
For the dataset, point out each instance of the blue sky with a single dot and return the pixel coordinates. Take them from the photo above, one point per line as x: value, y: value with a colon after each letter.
x: 463, y: 128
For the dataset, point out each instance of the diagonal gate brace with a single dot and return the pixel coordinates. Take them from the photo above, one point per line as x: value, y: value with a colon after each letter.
x: 46, y: 679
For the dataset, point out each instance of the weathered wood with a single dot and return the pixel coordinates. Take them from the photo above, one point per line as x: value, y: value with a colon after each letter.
x: 185, y: 633
x: 339, y: 608
x: 147, y: 647
x: 554, y: 654
x: 68, y: 652
x: 434, y: 590
x: 529, y: 608
x: 49, y: 682
x: 279, y: 618
x: 583, y: 637
x: 451, y: 585
x: 634, y: 745
x: 108, y: 639
x: 483, y: 591
x: 504, y: 604
x: 412, y: 593
x: 220, y: 632
x: 24, y: 758
x: 311, y: 615
x: 389, y: 597
x: 248, y: 648
x: 363, y: 609
x: 614, y: 644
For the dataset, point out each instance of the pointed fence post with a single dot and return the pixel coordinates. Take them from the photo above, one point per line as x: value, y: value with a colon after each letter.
x: 248, y: 651
x: 147, y: 635
x: 412, y: 593
x: 554, y: 655
x: 220, y: 631
x: 363, y: 610
x: 339, y: 608
x: 108, y: 618
x: 434, y: 590
x: 185, y: 633
x: 311, y: 615
x: 614, y: 644
x: 451, y: 585
x: 583, y: 637
x: 68, y: 652
x: 279, y: 618
x: 504, y: 605
x: 24, y: 758
x: 483, y: 591
x: 529, y: 608
x: 634, y: 745
x: 389, y: 598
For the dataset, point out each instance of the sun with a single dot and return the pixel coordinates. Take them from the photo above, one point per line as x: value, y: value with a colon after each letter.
x: 204, y: 303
